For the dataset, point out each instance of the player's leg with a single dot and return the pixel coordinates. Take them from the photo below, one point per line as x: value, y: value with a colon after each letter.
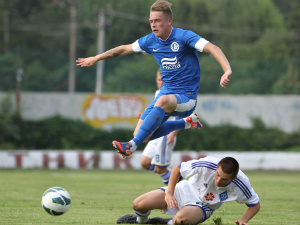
x: 165, y: 104
x: 189, y: 215
x: 185, y: 108
x: 165, y: 173
x: 189, y: 122
x: 147, y: 156
x: 143, y: 204
x: 162, y: 157
x: 146, y: 164
x: 152, y: 118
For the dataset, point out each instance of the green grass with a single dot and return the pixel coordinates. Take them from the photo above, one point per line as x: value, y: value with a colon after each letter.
x: 100, y: 197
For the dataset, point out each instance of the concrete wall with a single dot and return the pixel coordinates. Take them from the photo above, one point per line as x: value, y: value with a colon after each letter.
x: 282, y: 112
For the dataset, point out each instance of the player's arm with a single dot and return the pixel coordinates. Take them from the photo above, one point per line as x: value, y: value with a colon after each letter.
x: 251, y: 211
x: 119, y: 51
x: 221, y: 58
x: 169, y: 198
x: 171, y: 137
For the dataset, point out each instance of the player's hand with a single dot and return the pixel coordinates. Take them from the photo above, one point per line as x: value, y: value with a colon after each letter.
x: 171, y: 201
x: 171, y: 140
x: 139, y: 115
x: 225, y: 79
x: 84, y: 62
x: 239, y: 222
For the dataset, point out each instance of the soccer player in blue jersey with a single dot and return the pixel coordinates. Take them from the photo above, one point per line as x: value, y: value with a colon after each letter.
x: 175, y: 51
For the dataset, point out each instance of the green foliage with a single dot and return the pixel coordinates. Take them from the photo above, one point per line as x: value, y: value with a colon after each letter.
x: 61, y: 133
x: 227, y: 137
x: 258, y: 37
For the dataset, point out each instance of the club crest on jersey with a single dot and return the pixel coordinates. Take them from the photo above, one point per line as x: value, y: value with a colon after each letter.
x: 223, y: 196
x: 175, y: 46
x: 170, y: 63
x: 209, y: 196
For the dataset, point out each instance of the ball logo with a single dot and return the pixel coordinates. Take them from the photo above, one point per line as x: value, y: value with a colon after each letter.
x: 175, y: 46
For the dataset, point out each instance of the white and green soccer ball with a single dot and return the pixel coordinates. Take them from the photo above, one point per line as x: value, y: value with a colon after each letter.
x: 56, y: 201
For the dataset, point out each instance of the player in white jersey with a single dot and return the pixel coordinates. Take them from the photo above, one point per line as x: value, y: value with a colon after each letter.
x: 211, y: 183
x: 157, y: 154
x: 176, y: 52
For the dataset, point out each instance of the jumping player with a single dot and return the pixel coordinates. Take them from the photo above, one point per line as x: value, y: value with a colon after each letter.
x: 175, y: 51
x: 211, y: 183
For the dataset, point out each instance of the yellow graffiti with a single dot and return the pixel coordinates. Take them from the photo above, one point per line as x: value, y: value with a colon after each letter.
x: 112, y: 110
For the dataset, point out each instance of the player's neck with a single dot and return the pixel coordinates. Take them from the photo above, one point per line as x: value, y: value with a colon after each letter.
x: 166, y: 36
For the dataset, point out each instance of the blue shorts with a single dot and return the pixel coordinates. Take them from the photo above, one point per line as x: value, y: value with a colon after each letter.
x: 185, y: 106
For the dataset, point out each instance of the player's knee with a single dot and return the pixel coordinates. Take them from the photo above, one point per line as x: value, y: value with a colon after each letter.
x: 145, y: 165
x: 136, y: 205
x: 162, y: 101
x: 181, y: 219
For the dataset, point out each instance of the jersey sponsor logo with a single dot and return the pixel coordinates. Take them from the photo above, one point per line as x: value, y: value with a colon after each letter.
x: 175, y: 46
x: 209, y: 196
x: 155, y: 50
x: 223, y: 196
x: 170, y: 63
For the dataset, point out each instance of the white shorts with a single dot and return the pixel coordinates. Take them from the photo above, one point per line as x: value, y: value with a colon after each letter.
x: 185, y: 197
x: 159, y: 151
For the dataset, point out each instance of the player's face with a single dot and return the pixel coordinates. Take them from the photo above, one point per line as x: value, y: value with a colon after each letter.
x: 160, y: 25
x: 159, y: 82
x: 221, y: 178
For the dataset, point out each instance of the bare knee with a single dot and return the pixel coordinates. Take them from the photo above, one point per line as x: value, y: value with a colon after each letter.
x: 167, y: 102
x: 145, y: 164
x: 136, y: 204
x: 181, y: 219
x: 188, y: 215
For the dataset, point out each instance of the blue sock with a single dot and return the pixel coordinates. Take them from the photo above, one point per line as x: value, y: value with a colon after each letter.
x: 152, y: 168
x: 150, y: 123
x: 167, y: 128
x: 165, y: 176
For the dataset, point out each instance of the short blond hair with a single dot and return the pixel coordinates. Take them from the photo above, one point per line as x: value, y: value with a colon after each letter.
x: 162, y: 6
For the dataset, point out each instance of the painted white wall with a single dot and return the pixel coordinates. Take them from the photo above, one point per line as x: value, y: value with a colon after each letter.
x: 107, y: 160
x: 282, y: 112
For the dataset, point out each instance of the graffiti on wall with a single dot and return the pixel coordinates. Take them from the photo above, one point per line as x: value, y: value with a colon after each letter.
x: 99, y: 110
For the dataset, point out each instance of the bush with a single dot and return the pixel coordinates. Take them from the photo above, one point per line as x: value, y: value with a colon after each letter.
x: 61, y: 133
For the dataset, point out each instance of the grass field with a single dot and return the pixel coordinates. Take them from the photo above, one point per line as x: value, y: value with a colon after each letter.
x: 100, y: 197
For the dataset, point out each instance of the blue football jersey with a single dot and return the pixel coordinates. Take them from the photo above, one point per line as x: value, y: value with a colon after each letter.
x: 178, y: 60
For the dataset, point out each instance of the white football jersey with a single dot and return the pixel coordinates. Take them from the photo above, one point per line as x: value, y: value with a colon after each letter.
x: 201, y: 175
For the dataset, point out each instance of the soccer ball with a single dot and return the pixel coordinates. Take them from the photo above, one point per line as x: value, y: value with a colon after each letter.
x: 56, y: 201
